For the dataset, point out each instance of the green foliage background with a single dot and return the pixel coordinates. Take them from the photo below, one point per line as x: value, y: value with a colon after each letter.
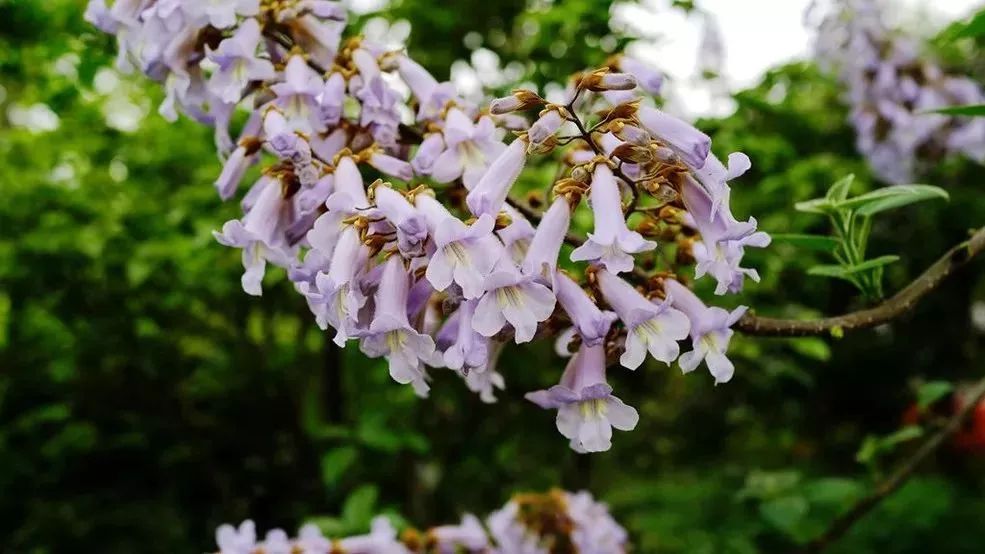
x: 144, y: 399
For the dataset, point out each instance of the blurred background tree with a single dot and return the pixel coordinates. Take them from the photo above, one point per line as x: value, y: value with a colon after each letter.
x: 144, y: 399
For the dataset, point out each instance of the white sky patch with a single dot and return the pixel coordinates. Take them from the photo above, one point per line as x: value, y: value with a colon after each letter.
x: 758, y: 35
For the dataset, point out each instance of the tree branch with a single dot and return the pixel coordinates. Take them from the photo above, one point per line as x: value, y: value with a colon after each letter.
x: 846, y: 521
x: 904, y: 301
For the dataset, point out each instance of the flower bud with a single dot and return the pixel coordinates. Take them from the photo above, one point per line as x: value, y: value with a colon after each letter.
x: 520, y: 100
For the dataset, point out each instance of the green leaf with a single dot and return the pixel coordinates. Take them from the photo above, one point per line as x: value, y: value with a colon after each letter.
x: 816, y: 206
x: 847, y: 272
x: 360, y: 507
x: 890, y: 198
x: 839, y: 191
x: 785, y: 513
x: 874, y: 263
x: 809, y: 242
x: 833, y: 491
x: 335, y: 463
x: 873, y: 447
x: 931, y: 392
x: 974, y: 27
x: 973, y: 110
x: 329, y: 526
x: 832, y: 271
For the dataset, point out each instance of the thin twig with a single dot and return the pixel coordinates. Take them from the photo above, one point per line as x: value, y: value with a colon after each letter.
x: 846, y: 521
x: 586, y: 135
x: 904, y: 301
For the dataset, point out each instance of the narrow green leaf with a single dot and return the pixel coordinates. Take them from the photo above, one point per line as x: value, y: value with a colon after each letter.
x: 833, y: 271
x: 809, y: 242
x: 890, y: 198
x: 931, y: 392
x: 816, y: 206
x: 973, y: 110
x: 874, y: 263
x: 839, y: 191
x: 846, y: 272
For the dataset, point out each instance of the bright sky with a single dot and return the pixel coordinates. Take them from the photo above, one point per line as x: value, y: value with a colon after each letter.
x: 758, y: 34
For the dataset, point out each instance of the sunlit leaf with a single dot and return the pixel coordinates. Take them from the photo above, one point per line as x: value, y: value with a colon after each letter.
x: 931, y: 392
x: 890, y: 198
x: 974, y: 110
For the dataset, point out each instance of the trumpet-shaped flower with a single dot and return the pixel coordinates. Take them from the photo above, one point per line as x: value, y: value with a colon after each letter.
x: 587, y: 409
x: 515, y: 299
x: 391, y: 335
x: 612, y: 243
x: 710, y: 332
x: 650, y: 327
x: 464, y: 254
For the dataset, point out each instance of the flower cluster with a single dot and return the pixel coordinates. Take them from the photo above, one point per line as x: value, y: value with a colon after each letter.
x: 891, y: 88
x: 389, y: 201
x: 555, y: 522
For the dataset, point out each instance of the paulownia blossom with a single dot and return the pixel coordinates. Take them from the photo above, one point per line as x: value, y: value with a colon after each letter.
x: 413, y: 225
x: 586, y: 408
x: 892, y: 88
x: 516, y: 528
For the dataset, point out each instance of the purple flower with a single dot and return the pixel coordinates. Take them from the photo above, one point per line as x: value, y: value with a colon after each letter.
x: 594, y: 529
x: 238, y: 64
x: 297, y: 96
x: 390, y: 333
x: 650, y: 327
x: 545, y: 127
x: 276, y: 542
x: 261, y: 235
x: 222, y: 13
x: 469, y: 149
x: 489, y: 194
x: 382, y: 539
x: 542, y: 255
x: 592, y: 323
x: 484, y: 383
x: 512, y: 298
x: 427, y: 154
x: 649, y: 79
x: 392, y: 166
x: 231, y: 540
x: 332, y: 100
x: 469, y: 536
x: 338, y: 289
x: 284, y: 142
x: 689, y: 143
x: 517, y: 235
x: 347, y: 200
x: 511, y: 534
x: 409, y: 223
x: 587, y: 409
x: 723, y: 239
x: 466, y: 350
x: 311, y: 541
x: 612, y: 244
x: 233, y: 171
x: 97, y: 14
x: 464, y: 255
x: 714, y: 177
x: 421, y: 83
x: 710, y: 332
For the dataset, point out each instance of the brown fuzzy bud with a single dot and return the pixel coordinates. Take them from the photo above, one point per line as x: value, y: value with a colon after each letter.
x: 520, y: 100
